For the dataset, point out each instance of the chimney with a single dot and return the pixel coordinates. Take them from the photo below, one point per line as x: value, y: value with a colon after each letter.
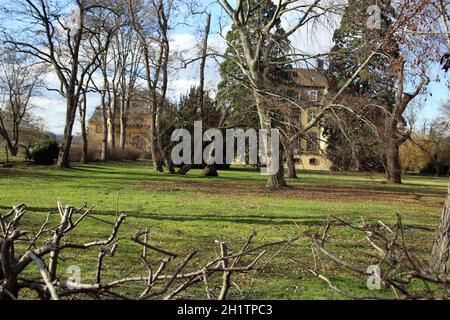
x: 320, y: 65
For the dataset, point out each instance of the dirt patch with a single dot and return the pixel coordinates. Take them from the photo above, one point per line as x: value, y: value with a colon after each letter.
x: 330, y: 193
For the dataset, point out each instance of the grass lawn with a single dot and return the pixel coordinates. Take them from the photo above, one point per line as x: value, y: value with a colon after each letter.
x: 190, y: 212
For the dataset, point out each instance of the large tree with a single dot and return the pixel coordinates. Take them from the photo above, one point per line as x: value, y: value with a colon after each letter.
x: 256, y: 63
x: 151, y: 22
x: 383, y: 82
x: 354, y: 42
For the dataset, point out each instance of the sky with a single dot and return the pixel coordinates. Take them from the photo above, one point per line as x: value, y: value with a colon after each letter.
x: 50, y: 106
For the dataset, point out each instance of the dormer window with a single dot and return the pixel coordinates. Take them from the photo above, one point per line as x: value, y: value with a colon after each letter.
x: 313, y: 95
x: 312, y: 115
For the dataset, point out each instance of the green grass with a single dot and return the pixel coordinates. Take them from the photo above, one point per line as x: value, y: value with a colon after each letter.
x: 190, y: 212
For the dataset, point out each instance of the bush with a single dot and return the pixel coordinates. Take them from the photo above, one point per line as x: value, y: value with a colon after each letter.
x: 76, y: 152
x: 127, y: 154
x: 43, y: 152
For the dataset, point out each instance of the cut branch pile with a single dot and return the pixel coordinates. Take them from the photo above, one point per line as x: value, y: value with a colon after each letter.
x: 401, y: 270
x: 166, y: 278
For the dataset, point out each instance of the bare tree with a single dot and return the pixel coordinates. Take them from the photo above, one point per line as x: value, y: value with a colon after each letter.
x: 105, y: 27
x: 20, y: 81
x: 209, y: 170
x: 84, y: 134
x: 54, y: 35
x: 154, y: 43
x: 394, y: 133
x: 129, y: 55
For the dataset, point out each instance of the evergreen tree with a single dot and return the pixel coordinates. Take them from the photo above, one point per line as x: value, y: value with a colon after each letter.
x: 375, y: 86
x: 354, y: 41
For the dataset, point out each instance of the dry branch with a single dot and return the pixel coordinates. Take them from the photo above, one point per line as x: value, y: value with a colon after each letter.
x: 159, y: 279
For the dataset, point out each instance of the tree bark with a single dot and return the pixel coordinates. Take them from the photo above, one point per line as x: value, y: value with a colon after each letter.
x: 277, y: 180
x: 12, y: 148
x: 204, y: 52
x: 185, y: 169
x: 104, y: 151
x: 124, y: 105
x: 290, y: 159
x: 83, y: 108
x: 7, y: 154
x: 64, y: 153
x: 393, y: 167
x: 112, y: 126
x: 210, y: 171
x: 440, y: 256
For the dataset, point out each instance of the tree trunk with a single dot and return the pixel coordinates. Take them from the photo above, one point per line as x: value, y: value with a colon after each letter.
x: 440, y: 256
x: 210, y: 171
x: 7, y: 154
x: 13, y: 149
x: 104, y: 151
x: 84, y: 154
x: 277, y: 180
x: 156, y: 159
x: 83, y: 108
x: 290, y: 159
x: 123, y: 121
x: 123, y: 125
x: 64, y: 152
x: 185, y: 169
x: 169, y: 165
x: 203, y: 53
x: 112, y: 124
x: 393, y: 167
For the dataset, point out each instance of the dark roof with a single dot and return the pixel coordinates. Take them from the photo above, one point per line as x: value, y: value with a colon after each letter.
x: 139, y: 110
x: 309, y: 78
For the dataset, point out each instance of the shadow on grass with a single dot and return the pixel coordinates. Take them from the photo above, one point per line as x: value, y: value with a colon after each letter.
x: 268, y: 220
x: 124, y: 172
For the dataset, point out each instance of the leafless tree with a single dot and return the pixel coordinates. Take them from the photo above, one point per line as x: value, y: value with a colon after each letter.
x: 54, y: 34
x: 104, y: 28
x: 20, y: 81
x: 255, y: 59
x: 209, y: 170
x: 127, y: 61
x: 151, y: 22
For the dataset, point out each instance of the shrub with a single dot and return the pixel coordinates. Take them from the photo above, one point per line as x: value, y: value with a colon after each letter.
x: 127, y: 154
x: 43, y: 152
x: 76, y: 152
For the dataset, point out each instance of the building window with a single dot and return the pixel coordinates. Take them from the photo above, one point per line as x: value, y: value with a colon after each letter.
x: 312, y: 141
x: 313, y: 95
x: 312, y: 115
x: 313, y: 162
x: 138, y: 142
